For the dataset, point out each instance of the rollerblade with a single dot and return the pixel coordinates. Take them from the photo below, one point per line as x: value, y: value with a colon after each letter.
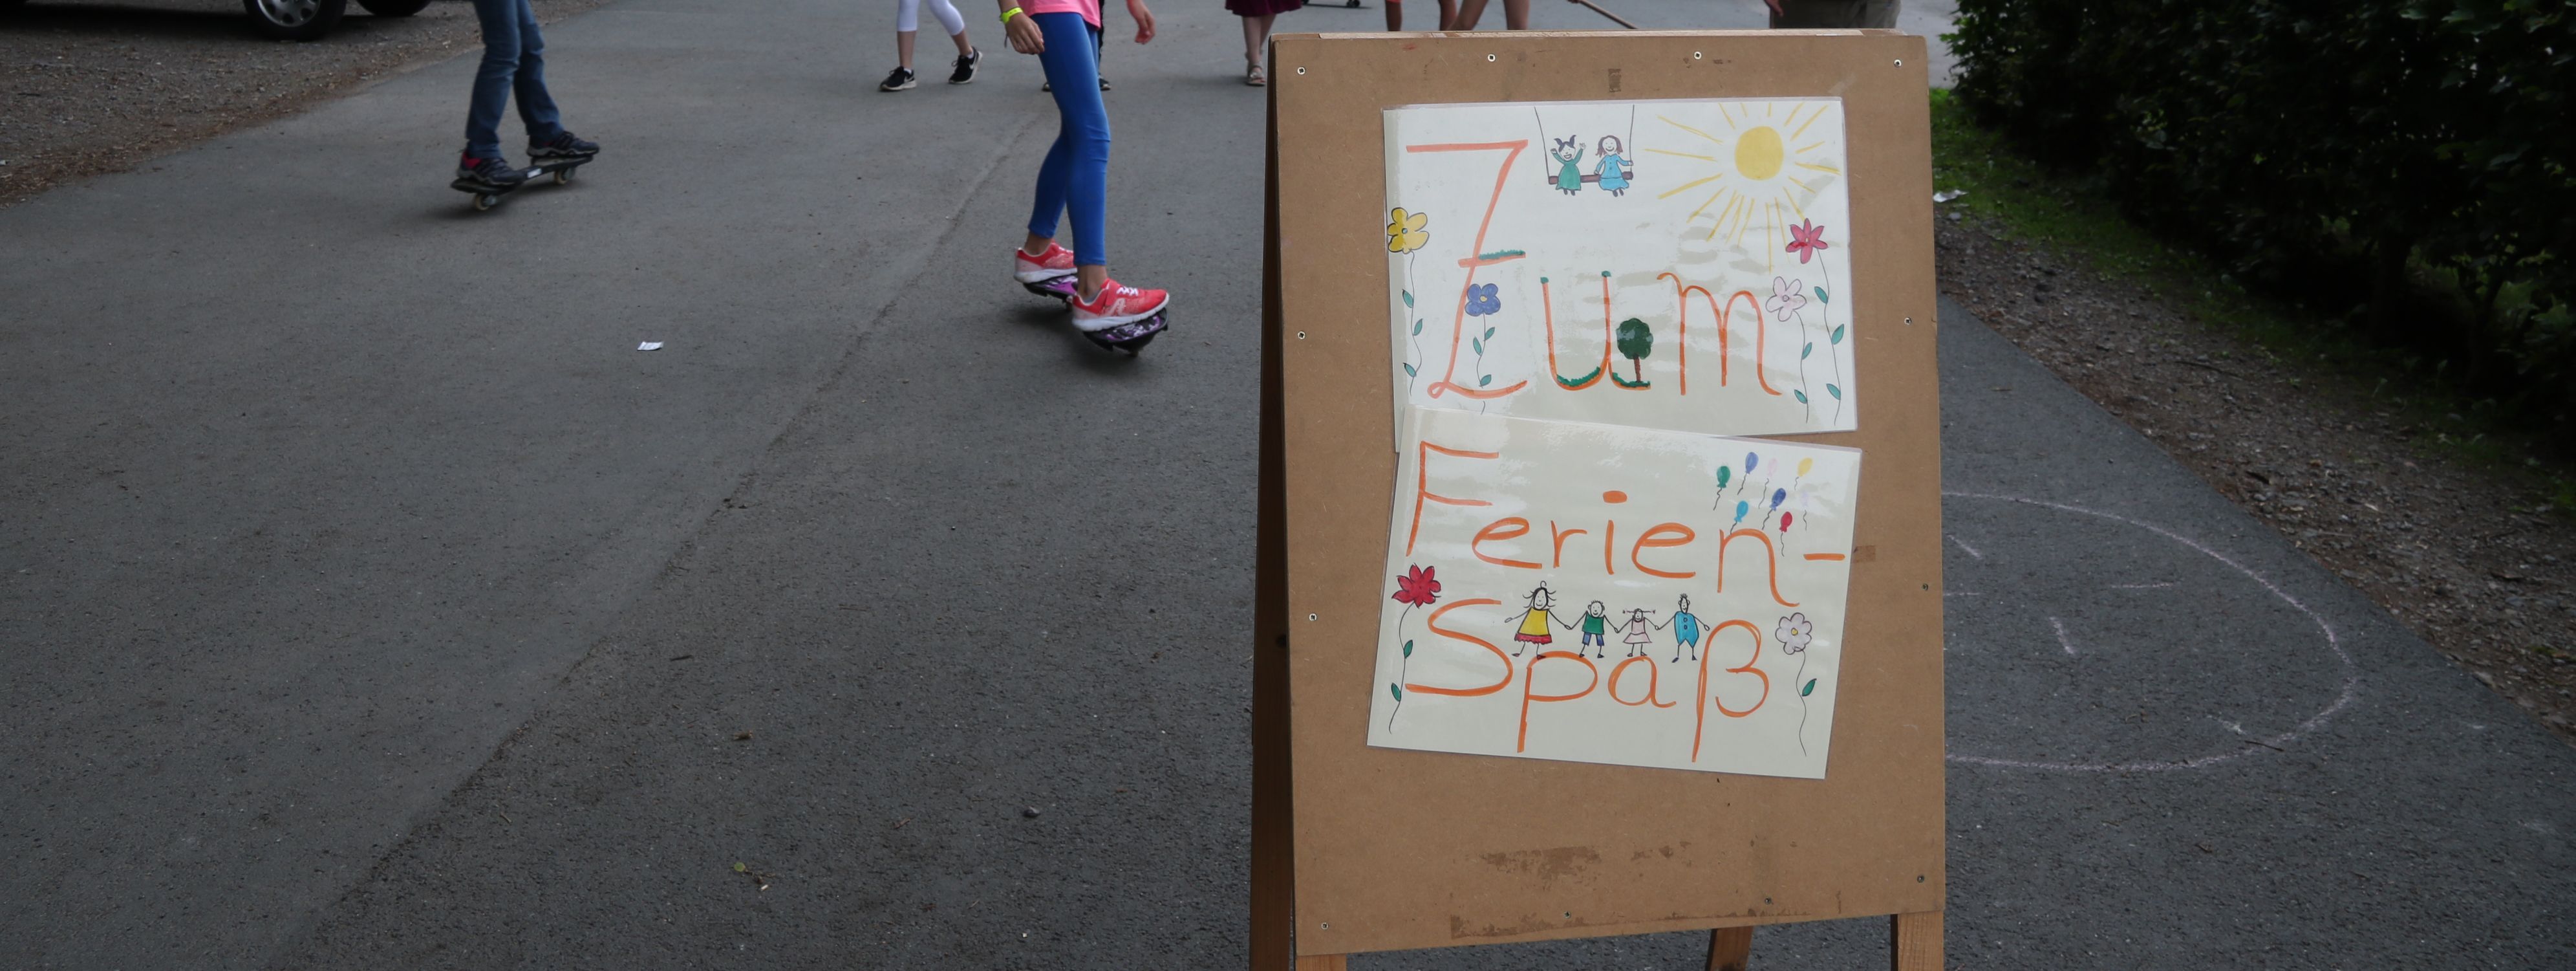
x: 1123, y: 317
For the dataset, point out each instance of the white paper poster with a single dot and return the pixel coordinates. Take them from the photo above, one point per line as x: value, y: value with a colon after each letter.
x: 1660, y: 264
x: 1602, y: 594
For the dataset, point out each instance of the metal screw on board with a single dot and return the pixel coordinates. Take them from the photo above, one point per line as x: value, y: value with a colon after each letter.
x: 1489, y: 58
x: 1694, y: 55
x: 1301, y: 70
x: 1900, y: 62
x: 1918, y: 878
x: 1301, y: 335
x: 1311, y: 616
x: 1327, y: 925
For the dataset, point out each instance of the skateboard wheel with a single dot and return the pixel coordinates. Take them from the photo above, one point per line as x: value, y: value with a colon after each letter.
x: 562, y: 176
x: 484, y: 202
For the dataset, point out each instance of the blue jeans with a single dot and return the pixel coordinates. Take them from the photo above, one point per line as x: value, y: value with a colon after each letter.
x: 513, y: 61
x: 1075, y: 178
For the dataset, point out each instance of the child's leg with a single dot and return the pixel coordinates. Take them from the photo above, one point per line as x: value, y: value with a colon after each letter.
x: 1515, y: 14
x: 1076, y: 179
x: 536, y: 107
x: 907, y: 25
x: 951, y: 21
x: 500, y: 22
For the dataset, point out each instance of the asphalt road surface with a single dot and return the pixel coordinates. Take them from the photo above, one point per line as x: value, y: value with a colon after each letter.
x: 370, y: 601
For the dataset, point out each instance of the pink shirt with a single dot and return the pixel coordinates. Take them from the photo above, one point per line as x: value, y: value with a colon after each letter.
x: 1089, y: 9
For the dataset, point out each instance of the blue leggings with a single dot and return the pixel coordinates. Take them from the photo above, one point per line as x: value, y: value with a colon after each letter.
x: 1075, y: 177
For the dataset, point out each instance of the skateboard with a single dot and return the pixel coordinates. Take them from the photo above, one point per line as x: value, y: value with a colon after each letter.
x: 561, y: 169
x: 1130, y: 337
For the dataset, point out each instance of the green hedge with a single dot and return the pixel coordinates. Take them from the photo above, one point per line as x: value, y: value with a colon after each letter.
x: 2410, y: 158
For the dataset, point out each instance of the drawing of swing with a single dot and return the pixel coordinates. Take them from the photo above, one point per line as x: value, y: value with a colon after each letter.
x: 1611, y: 169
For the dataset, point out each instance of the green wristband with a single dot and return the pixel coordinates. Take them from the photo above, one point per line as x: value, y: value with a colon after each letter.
x: 1008, y: 14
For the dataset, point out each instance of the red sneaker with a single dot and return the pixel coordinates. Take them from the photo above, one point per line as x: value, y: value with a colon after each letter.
x: 1057, y: 261
x: 1117, y: 304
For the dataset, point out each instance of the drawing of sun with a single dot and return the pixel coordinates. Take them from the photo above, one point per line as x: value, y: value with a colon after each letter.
x: 1767, y: 166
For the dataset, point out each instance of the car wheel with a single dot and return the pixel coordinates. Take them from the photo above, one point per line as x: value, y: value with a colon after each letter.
x: 294, y: 19
x: 384, y: 8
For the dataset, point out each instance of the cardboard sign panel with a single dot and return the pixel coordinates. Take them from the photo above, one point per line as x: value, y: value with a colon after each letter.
x: 1676, y: 264
x: 1547, y: 580
x: 1362, y: 847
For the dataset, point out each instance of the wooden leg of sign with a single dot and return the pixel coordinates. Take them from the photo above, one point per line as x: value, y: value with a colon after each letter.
x: 1274, y: 877
x: 1915, y: 940
x: 1729, y: 948
x: 1323, y: 962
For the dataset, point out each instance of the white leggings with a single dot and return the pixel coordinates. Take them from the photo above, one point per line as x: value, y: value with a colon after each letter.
x: 907, y: 16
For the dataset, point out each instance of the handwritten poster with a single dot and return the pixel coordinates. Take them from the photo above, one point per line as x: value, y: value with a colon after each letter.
x: 1662, y: 264
x: 1558, y: 590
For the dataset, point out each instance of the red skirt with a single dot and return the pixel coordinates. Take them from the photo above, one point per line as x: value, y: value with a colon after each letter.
x: 1534, y: 638
x: 1259, y: 8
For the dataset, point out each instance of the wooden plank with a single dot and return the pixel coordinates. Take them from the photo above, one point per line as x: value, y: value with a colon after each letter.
x: 1729, y: 948
x: 1274, y: 881
x: 1324, y: 962
x: 1914, y: 941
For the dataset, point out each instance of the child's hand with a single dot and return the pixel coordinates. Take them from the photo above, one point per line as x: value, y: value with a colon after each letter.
x: 1025, y: 36
x: 1144, y: 20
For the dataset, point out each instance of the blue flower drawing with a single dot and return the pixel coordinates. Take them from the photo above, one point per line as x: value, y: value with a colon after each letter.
x: 1481, y: 300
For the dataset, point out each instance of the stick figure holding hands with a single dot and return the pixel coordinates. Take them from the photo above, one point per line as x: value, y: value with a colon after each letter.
x: 1635, y: 627
x: 1685, y: 630
x: 1534, y: 628
x: 1596, y: 628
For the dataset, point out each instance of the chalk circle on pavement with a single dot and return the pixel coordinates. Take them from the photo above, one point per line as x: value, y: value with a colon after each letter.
x: 2087, y: 641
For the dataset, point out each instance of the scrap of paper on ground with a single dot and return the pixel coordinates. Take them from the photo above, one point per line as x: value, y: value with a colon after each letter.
x: 1666, y: 264
x: 1592, y: 593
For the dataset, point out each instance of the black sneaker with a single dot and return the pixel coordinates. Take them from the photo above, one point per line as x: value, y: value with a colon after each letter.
x: 899, y: 79
x: 966, y: 65
x: 487, y: 175
x: 1104, y: 83
x: 564, y: 147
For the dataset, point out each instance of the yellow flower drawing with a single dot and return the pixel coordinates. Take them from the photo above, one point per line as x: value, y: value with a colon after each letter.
x: 1406, y: 232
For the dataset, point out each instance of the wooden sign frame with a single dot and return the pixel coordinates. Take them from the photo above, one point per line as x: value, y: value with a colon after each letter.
x: 1359, y: 849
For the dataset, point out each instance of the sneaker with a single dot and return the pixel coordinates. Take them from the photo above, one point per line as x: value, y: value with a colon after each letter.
x: 1050, y: 85
x: 1104, y: 84
x: 966, y: 65
x: 563, y: 147
x: 899, y: 79
x: 487, y: 175
x: 1117, y: 304
x: 1056, y: 262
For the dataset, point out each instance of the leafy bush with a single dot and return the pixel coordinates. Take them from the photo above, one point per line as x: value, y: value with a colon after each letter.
x: 2407, y: 159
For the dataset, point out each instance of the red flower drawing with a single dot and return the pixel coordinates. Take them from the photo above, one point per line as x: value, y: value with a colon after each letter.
x: 1805, y: 239
x: 1417, y: 587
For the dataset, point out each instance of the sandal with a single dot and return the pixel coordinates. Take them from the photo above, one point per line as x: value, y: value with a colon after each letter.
x: 1252, y: 76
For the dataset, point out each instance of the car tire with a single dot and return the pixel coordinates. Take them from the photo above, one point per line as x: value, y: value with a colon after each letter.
x: 294, y: 19
x: 384, y: 8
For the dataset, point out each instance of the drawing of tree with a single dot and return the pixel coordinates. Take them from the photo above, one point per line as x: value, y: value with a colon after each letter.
x: 1636, y: 343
